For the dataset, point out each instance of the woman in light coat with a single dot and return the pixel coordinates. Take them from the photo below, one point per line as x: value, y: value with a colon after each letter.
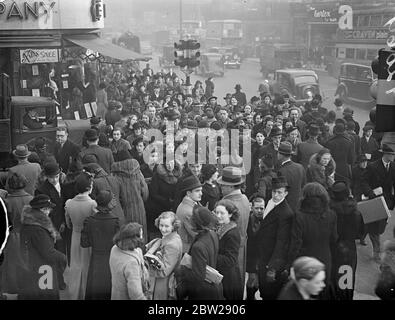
x: 129, y: 276
x: 77, y: 210
x: 169, y: 251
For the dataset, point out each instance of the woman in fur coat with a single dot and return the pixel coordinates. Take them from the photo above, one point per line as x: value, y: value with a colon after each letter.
x: 322, y: 169
x: 41, y: 259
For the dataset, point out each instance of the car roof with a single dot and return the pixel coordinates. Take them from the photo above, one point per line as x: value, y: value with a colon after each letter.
x: 355, y: 64
x: 298, y: 72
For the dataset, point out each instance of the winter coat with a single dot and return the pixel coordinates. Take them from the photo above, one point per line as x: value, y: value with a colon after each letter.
x: 356, y: 182
x: 162, y: 191
x: 133, y: 191
x: 204, y: 252
x: 369, y: 147
x: 97, y: 233
x: 37, y: 249
x: 314, y: 233
x: 227, y: 263
x: 263, y: 186
x: 120, y: 145
x: 104, y: 181
x: 170, y: 255
x: 184, y: 214
x: 12, y: 263
x: 305, y: 150
x: 104, y: 156
x: 66, y: 154
x: 129, y: 276
x: 318, y: 173
x: 296, y: 179
x: 31, y: 171
x: 342, y: 151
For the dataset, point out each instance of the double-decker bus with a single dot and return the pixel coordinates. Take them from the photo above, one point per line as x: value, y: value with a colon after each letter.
x: 361, y: 44
x: 222, y: 33
x: 193, y: 28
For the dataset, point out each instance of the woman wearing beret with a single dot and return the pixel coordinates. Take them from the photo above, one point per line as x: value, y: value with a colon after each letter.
x: 41, y: 259
x: 77, y: 210
x: 129, y: 276
x: 16, y: 199
x: 97, y: 233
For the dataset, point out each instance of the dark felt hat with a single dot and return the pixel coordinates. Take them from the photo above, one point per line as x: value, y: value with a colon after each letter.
x: 339, y: 187
x: 276, y: 131
x: 51, y: 169
x: 314, y: 130
x: 279, y: 182
x: 338, y: 102
x: 190, y: 183
x: 95, y: 120
x: 203, y: 218
x: 41, y: 201
x: 104, y: 198
x: 91, y: 135
x: 228, y: 96
x: 285, y: 148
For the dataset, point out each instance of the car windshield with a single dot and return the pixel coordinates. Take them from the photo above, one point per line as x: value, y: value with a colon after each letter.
x: 305, y: 79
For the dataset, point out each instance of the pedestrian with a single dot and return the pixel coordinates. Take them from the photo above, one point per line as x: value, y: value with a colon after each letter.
x: 380, y: 174
x: 369, y: 145
x: 293, y: 172
x: 65, y: 150
x: 231, y: 182
x: 97, y: 233
x: 119, y: 144
x: 228, y: 253
x: 38, y: 236
x: 309, y: 147
x: 129, y: 275
x: 191, y: 191
x: 349, y: 224
x: 31, y: 171
x: 204, y: 253
x: 15, y: 201
x: 104, y: 155
x: 168, y: 250
x: 307, y: 280
x: 314, y: 232
x: 358, y: 173
x: 77, y: 210
x: 322, y: 168
x: 264, y: 177
x: 275, y: 137
x: 102, y: 101
x: 133, y: 189
x: 385, y: 286
x: 240, y: 96
x: 211, y: 192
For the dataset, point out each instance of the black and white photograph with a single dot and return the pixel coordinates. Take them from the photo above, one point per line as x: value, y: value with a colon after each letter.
x: 224, y: 151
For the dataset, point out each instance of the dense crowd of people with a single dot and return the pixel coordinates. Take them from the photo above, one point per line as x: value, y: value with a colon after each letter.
x: 132, y: 216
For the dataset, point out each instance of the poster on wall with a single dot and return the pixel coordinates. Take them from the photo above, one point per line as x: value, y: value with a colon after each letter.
x: 31, y: 56
x: 35, y: 92
x: 35, y: 71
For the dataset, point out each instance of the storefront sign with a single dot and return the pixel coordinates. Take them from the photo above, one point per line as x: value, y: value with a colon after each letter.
x: 323, y: 14
x: 375, y: 34
x: 49, y: 14
x: 31, y: 56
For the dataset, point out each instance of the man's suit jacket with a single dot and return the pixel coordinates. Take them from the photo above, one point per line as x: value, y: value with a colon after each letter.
x: 57, y: 215
x: 274, y: 234
x: 296, y: 179
x: 104, y: 156
x: 66, y: 154
x: 376, y: 176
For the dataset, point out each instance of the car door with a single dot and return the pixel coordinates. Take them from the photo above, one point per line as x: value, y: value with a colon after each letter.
x: 363, y: 83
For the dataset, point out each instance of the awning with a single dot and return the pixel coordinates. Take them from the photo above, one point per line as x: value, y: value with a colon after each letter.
x: 105, y: 48
x: 31, y: 41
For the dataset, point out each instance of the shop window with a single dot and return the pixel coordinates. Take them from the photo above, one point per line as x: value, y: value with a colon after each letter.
x: 361, y: 54
x: 371, y: 54
x: 341, y: 53
x: 363, y: 21
x: 350, y: 53
x: 376, y: 21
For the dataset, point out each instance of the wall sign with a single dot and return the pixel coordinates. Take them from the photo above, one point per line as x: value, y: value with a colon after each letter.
x: 378, y: 34
x: 31, y: 56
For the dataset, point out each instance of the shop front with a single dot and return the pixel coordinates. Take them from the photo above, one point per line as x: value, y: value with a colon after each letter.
x: 54, y: 49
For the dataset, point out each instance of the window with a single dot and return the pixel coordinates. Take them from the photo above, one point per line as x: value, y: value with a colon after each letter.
x: 305, y: 79
x: 376, y: 21
x: 341, y: 53
x: 371, y: 54
x: 363, y: 21
x: 350, y: 53
x: 361, y: 54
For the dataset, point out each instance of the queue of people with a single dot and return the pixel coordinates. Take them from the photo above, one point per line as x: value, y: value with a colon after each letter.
x: 127, y: 215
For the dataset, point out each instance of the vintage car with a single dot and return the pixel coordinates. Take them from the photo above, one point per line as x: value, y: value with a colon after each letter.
x: 296, y: 82
x: 211, y: 64
x: 354, y: 84
x: 232, y: 61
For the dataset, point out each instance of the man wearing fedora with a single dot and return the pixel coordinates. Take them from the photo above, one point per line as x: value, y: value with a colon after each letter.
x: 342, y: 150
x: 240, y: 96
x: 191, y: 188
x: 104, y: 156
x: 65, y: 150
x: 231, y: 182
x: 274, y: 234
x: 309, y: 147
x: 293, y: 172
x: 380, y: 173
x: 51, y: 187
x: 30, y: 170
x: 275, y: 137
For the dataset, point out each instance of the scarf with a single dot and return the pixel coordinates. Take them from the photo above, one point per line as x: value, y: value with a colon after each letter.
x: 223, y: 229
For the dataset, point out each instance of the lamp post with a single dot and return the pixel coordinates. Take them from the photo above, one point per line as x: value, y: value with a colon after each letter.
x: 180, y: 19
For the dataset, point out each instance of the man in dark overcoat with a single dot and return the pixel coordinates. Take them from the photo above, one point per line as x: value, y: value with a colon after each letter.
x: 274, y: 232
x: 380, y: 173
x: 65, y: 151
x: 293, y: 172
x: 342, y: 150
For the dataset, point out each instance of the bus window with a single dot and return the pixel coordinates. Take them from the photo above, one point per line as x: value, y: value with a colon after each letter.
x: 361, y: 54
x: 350, y: 53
